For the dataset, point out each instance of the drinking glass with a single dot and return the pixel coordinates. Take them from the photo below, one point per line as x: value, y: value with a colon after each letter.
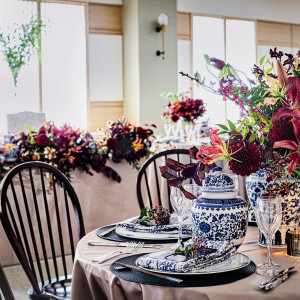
x: 194, y: 189
x: 168, y: 128
x: 268, y: 213
x: 179, y: 204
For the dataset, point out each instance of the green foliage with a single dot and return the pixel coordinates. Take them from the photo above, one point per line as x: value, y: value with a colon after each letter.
x: 146, y: 215
x: 187, y: 251
x: 207, y: 59
x: 231, y: 125
x: 261, y: 61
x: 19, y: 46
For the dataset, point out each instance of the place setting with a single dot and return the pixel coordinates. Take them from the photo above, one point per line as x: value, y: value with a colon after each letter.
x: 154, y: 225
x: 205, y: 257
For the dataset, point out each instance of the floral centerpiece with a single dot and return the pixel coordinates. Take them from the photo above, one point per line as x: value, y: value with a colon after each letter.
x: 266, y: 141
x: 123, y: 140
x: 65, y: 148
x: 269, y: 133
x: 182, y: 106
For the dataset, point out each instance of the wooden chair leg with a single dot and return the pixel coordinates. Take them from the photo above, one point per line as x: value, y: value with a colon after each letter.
x: 5, y: 287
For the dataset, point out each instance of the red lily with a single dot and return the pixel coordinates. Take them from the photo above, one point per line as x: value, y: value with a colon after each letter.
x: 293, y: 106
x: 292, y: 145
x: 211, y: 154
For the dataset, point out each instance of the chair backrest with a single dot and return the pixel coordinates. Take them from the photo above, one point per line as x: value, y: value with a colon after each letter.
x: 5, y: 287
x: 16, y: 122
x: 42, y: 218
x: 151, y: 187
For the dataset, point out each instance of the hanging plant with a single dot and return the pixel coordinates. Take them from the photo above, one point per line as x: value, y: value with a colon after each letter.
x: 21, y: 44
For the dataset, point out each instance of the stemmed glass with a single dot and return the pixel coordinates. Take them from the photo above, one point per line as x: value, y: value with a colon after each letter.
x: 194, y: 189
x: 268, y: 213
x: 179, y: 204
x: 168, y: 128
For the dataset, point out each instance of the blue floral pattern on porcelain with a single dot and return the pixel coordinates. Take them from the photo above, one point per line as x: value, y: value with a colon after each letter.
x: 256, y: 184
x: 220, y: 214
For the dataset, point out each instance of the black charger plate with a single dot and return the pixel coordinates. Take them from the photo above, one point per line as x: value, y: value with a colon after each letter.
x: 188, y: 280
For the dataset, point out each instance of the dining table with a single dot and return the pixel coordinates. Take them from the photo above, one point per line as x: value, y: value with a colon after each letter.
x: 93, y: 280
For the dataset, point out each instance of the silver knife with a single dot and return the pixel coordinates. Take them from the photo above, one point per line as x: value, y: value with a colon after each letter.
x: 97, y: 243
x: 263, y: 284
x: 280, y: 280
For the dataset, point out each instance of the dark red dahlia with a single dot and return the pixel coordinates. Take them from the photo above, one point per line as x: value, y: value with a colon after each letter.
x: 112, y: 143
x: 282, y: 131
x: 174, y: 118
x: 143, y: 133
x: 246, y: 160
x: 42, y: 139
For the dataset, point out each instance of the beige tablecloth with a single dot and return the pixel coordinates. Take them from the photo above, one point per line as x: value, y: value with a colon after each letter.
x: 92, y: 281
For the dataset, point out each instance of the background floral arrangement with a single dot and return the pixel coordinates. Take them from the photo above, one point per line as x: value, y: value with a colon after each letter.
x: 182, y: 106
x: 65, y: 148
x: 123, y: 140
x: 269, y: 133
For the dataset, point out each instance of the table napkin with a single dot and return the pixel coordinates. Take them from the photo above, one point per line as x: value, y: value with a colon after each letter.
x: 158, y: 260
x: 172, y: 227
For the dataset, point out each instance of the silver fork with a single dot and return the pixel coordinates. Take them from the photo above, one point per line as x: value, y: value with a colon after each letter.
x: 131, y: 248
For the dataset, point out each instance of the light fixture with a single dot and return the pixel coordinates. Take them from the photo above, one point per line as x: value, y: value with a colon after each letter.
x: 162, y: 22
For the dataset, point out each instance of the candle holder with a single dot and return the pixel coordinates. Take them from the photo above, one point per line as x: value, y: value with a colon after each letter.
x: 293, y: 242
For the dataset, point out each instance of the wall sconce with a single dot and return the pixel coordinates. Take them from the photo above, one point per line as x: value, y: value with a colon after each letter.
x: 162, y: 22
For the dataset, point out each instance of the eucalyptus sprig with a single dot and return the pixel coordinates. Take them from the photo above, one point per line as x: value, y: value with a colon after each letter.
x: 21, y: 44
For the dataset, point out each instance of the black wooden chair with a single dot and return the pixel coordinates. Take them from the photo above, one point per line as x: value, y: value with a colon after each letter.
x: 42, y: 219
x: 148, y: 195
x: 5, y: 287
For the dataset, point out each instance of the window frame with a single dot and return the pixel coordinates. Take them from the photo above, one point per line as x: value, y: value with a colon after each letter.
x: 224, y: 18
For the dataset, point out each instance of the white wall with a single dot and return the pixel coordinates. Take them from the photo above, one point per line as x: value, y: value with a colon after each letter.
x: 272, y: 10
x: 146, y: 75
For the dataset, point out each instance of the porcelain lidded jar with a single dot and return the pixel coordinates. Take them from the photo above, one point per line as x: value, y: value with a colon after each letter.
x: 220, y: 214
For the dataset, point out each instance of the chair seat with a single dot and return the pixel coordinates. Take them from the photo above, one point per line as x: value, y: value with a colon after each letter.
x: 59, y: 289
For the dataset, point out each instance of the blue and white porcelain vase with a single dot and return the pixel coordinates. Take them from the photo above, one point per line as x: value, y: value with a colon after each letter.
x: 220, y: 214
x: 256, y: 184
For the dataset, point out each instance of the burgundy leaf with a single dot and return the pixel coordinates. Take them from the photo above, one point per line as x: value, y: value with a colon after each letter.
x: 197, y: 179
x: 166, y: 172
x: 187, y: 194
x: 174, y: 165
x: 176, y: 182
x: 189, y: 171
x: 193, y: 151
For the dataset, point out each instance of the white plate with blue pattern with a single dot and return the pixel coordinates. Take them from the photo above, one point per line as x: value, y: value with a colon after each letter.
x: 234, y: 262
x: 129, y: 228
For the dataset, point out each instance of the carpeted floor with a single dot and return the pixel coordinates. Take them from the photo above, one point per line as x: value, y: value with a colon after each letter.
x: 19, y: 282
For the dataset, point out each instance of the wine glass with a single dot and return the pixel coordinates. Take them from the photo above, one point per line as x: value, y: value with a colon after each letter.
x: 196, y: 190
x: 179, y: 204
x: 168, y: 128
x: 268, y: 213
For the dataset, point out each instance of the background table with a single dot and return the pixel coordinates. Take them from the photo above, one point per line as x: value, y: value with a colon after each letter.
x: 94, y: 281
